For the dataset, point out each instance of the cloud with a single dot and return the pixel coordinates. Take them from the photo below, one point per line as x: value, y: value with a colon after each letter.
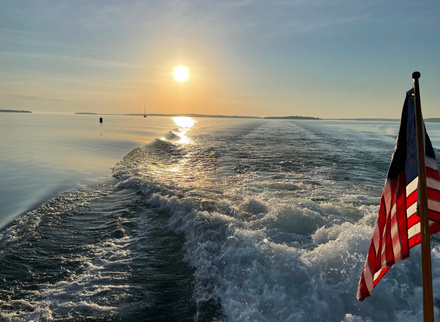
x: 34, y: 98
x: 83, y: 61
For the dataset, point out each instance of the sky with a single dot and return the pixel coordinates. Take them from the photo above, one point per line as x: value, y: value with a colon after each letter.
x: 320, y: 58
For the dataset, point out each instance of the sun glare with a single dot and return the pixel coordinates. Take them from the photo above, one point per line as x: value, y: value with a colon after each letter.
x: 184, y: 122
x: 181, y: 73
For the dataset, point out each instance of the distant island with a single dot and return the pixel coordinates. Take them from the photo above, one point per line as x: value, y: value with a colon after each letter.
x: 366, y: 119
x: 210, y: 115
x: 172, y: 115
x: 15, y: 111
x: 432, y: 119
x: 292, y: 118
x: 201, y: 115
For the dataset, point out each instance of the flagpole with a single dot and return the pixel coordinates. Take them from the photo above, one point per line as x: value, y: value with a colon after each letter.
x: 428, y: 307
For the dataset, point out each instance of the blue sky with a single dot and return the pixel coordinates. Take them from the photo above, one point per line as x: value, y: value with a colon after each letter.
x: 343, y: 58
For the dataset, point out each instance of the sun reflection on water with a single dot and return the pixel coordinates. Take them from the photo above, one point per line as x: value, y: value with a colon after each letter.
x: 184, y: 123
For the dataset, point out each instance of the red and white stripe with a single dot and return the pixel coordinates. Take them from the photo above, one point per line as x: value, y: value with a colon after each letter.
x: 433, y: 191
x: 398, y: 226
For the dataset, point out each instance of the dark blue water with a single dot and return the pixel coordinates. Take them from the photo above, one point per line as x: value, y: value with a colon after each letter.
x: 224, y: 220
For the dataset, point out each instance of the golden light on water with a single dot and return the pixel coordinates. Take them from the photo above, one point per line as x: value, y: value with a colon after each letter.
x: 184, y: 122
x: 181, y: 73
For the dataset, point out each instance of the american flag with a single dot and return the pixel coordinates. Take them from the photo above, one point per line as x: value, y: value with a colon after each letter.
x: 398, y: 225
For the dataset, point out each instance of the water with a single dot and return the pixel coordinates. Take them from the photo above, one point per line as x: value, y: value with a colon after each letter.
x: 45, y: 154
x: 221, y: 220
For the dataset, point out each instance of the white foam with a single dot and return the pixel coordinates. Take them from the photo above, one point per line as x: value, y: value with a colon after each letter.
x: 276, y: 224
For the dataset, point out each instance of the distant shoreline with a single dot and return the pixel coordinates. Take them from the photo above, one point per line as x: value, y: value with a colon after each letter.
x: 15, y: 111
x: 209, y: 115
x: 373, y: 119
x: 431, y: 119
x: 172, y: 115
x: 200, y: 115
x: 291, y: 118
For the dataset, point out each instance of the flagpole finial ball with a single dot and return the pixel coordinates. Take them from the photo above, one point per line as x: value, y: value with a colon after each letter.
x: 416, y: 75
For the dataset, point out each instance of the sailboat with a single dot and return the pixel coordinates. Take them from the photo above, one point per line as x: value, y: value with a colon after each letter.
x: 145, y: 115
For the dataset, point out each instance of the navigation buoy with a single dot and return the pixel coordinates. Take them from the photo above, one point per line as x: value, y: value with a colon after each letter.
x: 100, y: 120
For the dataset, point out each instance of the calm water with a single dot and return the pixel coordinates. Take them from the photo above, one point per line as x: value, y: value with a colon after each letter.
x: 218, y: 220
x: 45, y: 154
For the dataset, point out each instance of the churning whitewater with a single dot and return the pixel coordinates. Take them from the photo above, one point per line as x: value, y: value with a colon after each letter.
x: 247, y: 220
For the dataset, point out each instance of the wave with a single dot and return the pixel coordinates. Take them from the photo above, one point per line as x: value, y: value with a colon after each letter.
x: 262, y: 259
x: 268, y: 221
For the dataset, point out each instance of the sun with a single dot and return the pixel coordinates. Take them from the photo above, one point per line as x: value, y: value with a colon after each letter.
x: 181, y: 73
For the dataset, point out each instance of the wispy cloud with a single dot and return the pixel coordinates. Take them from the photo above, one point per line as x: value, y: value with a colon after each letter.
x: 307, y: 26
x: 23, y: 78
x: 84, y: 61
x: 34, y: 98
x: 16, y: 32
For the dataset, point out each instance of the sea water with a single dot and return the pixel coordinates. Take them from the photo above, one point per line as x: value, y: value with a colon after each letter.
x: 44, y: 154
x: 202, y: 219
